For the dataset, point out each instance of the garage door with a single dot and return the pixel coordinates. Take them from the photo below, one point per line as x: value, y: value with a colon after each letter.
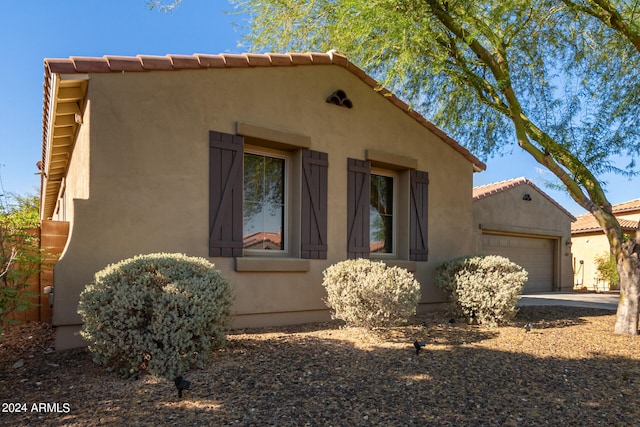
x: 535, y: 255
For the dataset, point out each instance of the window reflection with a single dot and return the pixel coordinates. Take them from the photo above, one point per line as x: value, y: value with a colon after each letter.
x: 263, y: 202
x: 381, y: 214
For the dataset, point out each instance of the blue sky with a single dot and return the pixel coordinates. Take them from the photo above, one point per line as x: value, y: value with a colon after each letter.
x: 33, y: 30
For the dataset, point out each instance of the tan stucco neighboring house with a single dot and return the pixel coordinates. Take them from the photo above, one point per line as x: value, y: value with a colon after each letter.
x: 273, y: 166
x: 515, y: 219
x: 589, y: 242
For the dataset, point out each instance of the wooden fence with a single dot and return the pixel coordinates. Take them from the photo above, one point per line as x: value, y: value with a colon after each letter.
x: 53, y: 238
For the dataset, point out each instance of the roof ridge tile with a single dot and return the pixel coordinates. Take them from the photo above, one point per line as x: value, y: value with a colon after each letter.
x: 155, y: 62
x: 258, y: 59
x: 60, y: 66
x: 210, y: 61
x: 84, y: 64
x: 124, y: 63
x: 184, y: 61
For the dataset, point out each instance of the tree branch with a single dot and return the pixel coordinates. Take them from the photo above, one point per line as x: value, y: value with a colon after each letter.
x: 554, y: 157
x: 606, y: 13
x: 487, y: 94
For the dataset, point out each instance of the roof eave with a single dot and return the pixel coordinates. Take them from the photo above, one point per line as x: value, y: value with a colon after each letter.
x: 77, y: 69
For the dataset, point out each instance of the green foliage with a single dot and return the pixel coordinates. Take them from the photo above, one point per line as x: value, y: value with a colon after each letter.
x: 20, y: 255
x: 484, y: 288
x: 370, y: 294
x: 163, y: 6
x: 471, y: 65
x: 607, y: 269
x: 544, y: 75
x: 161, y: 312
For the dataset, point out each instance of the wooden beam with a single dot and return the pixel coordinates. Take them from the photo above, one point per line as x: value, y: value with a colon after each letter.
x: 68, y: 108
x: 64, y: 131
x: 65, y: 120
x: 70, y: 94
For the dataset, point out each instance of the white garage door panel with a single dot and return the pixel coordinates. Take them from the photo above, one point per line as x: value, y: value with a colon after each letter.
x: 535, y: 255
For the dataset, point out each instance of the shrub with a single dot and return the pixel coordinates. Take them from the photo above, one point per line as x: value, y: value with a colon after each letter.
x: 21, y: 258
x: 607, y: 270
x: 370, y: 294
x: 161, y: 312
x: 484, y: 288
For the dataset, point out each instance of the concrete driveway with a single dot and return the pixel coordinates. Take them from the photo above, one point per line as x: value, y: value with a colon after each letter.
x: 607, y: 301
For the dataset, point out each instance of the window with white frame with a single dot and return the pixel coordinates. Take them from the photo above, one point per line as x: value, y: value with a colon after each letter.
x: 264, y: 202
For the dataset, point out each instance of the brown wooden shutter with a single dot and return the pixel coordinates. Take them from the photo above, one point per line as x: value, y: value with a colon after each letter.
x: 225, y: 194
x: 358, y: 195
x: 314, y: 205
x: 418, y: 249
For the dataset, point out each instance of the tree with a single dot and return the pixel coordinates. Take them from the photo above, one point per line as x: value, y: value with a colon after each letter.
x: 20, y: 255
x: 559, y: 78
x: 162, y: 6
x: 620, y: 16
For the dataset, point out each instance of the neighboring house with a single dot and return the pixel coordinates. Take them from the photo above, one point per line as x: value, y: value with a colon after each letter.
x: 589, y: 242
x: 273, y: 166
x: 515, y: 219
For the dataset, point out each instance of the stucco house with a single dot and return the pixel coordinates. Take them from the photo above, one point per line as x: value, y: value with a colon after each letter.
x: 273, y: 166
x: 590, y: 242
x: 516, y: 219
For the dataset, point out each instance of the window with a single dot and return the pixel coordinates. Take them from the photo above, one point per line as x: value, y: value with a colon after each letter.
x: 381, y: 214
x: 375, y: 198
x: 249, y: 207
x: 264, y: 196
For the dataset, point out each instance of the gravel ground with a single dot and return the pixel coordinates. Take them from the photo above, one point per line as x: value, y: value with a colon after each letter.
x: 569, y: 370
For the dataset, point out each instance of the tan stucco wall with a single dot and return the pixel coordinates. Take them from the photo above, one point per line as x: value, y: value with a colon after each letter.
x: 507, y: 212
x: 586, y: 247
x: 148, y: 145
x: 76, y: 183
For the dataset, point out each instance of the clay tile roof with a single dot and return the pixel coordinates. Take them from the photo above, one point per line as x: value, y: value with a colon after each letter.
x: 60, y: 66
x: 150, y: 63
x: 487, y: 190
x: 257, y: 60
x: 300, y: 58
x: 146, y: 63
x: 630, y: 206
x: 280, y: 59
x: 184, y: 61
x: 234, y: 60
x: 211, y: 61
x: 587, y: 223
x: 124, y: 63
x: 90, y: 65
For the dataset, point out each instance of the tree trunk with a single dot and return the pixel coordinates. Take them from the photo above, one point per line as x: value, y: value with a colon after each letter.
x: 629, y: 272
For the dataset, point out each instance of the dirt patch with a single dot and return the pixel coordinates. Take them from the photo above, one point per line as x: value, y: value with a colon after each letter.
x: 569, y: 369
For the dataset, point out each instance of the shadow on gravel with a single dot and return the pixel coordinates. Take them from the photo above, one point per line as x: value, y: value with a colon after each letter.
x: 556, y: 317
x: 298, y: 380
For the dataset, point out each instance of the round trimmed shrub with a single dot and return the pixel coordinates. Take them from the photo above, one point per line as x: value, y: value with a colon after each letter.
x: 163, y: 313
x: 484, y: 288
x: 370, y: 294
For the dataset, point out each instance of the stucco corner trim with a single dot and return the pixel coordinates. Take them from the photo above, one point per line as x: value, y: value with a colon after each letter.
x: 270, y: 264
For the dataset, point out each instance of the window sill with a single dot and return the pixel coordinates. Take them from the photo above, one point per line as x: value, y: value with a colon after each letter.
x: 272, y: 264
